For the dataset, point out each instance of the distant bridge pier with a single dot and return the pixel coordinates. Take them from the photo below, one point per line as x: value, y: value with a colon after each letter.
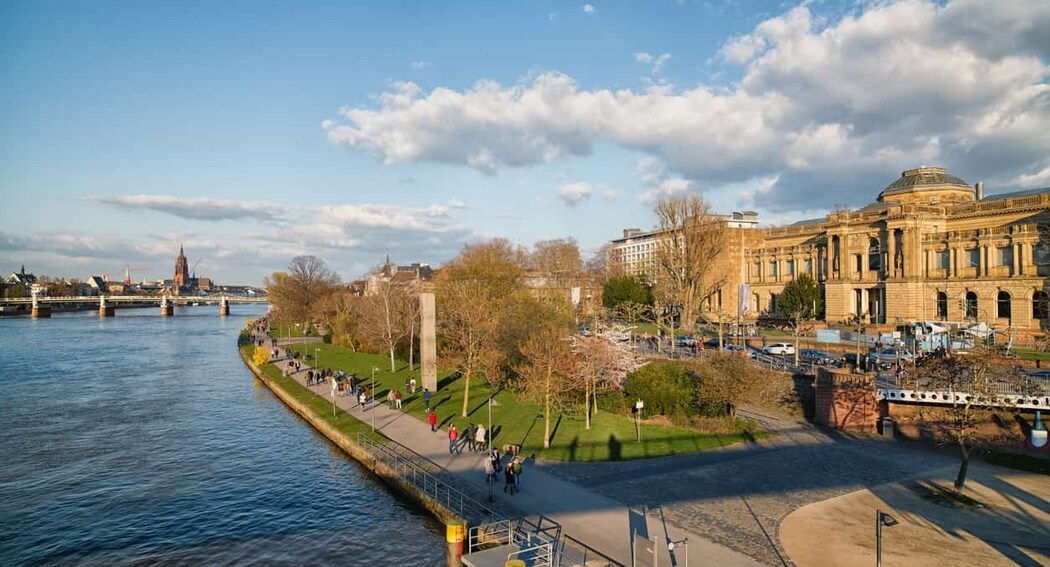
x: 40, y: 311
x: 224, y: 307
x: 105, y: 310
x: 166, y: 308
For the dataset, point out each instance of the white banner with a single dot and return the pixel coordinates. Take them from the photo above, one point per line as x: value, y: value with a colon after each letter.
x: 743, y: 304
x: 576, y: 296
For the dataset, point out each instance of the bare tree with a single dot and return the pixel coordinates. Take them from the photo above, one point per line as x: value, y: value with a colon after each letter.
x: 296, y: 293
x: 972, y: 382
x: 384, y: 314
x: 547, y: 371
x: 691, y: 240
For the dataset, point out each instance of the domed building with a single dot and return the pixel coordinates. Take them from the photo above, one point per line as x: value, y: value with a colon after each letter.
x: 931, y: 247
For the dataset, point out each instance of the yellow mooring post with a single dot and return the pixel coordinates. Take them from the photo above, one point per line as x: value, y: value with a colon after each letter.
x: 454, y: 535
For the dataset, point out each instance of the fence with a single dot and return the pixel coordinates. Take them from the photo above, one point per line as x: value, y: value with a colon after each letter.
x: 430, y: 479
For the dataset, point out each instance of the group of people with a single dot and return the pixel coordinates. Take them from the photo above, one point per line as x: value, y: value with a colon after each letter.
x: 474, y: 438
x: 511, y: 471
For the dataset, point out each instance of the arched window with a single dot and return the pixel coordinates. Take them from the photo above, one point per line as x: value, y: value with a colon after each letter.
x: 971, y: 305
x: 1040, y: 306
x: 1002, y: 305
x: 942, y: 306
x: 874, y: 254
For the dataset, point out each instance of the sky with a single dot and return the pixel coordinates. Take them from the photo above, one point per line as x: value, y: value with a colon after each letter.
x: 251, y: 132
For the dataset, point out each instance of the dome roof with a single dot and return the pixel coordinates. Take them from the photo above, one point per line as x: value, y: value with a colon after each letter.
x: 931, y: 184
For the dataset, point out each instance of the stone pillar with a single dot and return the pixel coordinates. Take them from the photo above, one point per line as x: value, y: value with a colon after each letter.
x: 224, y: 307
x: 984, y: 261
x: 105, y: 310
x: 890, y: 269
x: 166, y: 309
x: 40, y: 311
x: 1018, y: 259
x: 845, y: 400
x: 427, y: 341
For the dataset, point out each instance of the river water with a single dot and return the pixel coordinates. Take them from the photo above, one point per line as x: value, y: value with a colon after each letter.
x: 141, y: 440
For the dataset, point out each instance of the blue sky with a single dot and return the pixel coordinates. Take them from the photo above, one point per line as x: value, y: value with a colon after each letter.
x: 255, y: 131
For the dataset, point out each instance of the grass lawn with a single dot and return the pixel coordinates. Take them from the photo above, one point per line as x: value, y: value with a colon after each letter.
x: 1031, y: 354
x: 294, y: 330
x: 611, y: 437
x: 344, y: 422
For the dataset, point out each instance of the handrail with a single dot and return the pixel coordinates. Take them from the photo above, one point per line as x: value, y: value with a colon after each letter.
x: 546, y: 556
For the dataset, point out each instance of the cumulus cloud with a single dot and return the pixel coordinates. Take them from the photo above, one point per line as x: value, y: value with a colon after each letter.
x: 821, y: 105
x: 573, y: 194
x: 589, y: 9
x: 419, y: 65
x: 659, y: 182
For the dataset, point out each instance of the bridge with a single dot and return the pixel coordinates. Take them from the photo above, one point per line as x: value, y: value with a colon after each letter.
x: 40, y: 306
x: 1032, y: 393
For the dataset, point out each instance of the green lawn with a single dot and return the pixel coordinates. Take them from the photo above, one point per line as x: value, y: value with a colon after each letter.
x: 281, y: 330
x: 1031, y: 354
x: 518, y: 422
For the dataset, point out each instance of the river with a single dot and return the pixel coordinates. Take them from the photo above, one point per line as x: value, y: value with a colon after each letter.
x: 141, y: 440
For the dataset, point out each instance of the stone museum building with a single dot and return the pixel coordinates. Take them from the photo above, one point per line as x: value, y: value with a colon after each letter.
x: 931, y: 247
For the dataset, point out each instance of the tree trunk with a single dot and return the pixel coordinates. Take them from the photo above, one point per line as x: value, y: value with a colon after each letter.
x: 411, y: 345
x: 796, y: 345
x: 546, y: 420
x: 466, y: 393
x: 964, y: 467
x: 392, y: 368
x: 587, y: 405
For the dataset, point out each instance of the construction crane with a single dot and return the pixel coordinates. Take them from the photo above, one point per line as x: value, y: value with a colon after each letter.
x: 193, y: 270
x: 127, y: 273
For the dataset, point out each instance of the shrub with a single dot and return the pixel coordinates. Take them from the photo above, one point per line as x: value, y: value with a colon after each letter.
x: 667, y: 388
x: 260, y: 356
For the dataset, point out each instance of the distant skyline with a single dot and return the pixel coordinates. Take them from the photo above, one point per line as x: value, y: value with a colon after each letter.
x: 252, y: 132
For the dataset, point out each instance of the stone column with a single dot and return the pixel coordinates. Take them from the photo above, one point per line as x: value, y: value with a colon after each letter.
x: 428, y: 341
x: 891, y: 254
x: 166, y: 309
x: 40, y: 311
x: 984, y: 261
x: 224, y: 307
x: 105, y: 310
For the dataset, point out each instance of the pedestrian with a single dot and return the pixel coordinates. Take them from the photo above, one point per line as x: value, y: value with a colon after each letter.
x: 479, y: 438
x: 490, y: 473
x: 426, y: 398
x: 515, y: 466
x: 390, y: 399
x: 508, y: 479
x: 453, y: 438
x: 433, y: 419
x: 412, y: 386
x: 468, y: 437
x: 397, y: 399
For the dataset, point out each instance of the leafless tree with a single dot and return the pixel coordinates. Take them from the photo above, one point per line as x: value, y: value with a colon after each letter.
x: 297, y: 292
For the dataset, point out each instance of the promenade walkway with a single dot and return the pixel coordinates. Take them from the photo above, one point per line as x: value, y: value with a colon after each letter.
x: 595, y: 520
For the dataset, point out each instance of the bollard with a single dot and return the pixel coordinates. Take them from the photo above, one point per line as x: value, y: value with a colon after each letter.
x: 454, y: 533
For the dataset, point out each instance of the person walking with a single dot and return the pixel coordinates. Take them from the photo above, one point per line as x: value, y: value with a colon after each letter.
x: 453, y: 438
x: 515, y: 466
x: 426, y: 398
x: 479, y: 438
x: 468, y: 437
x: 433, y: 419
x: 508, y: 479
x: 490, y: 474
x: 390, y: 399
x: 397, y: 399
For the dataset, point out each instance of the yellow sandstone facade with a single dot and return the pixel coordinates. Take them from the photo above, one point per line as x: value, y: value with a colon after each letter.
x: 931, y: 247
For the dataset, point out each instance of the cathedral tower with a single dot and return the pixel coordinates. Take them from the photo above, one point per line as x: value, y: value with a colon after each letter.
x: 181, y: 272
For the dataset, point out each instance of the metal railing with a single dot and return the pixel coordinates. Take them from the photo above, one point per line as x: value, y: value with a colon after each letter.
x: 1029, y: 393
x: 541, y: 536
x: 429, y: 478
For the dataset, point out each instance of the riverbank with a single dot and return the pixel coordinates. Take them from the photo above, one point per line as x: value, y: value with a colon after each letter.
x: 595, y: 521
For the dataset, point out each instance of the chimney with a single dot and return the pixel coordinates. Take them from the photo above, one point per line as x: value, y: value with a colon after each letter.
x: 978, y: 191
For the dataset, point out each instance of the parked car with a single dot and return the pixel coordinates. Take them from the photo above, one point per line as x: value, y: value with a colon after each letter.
x: 741, y: 350
x: 779, y: 348
x: 685, y: 341
x: 888, y: 356
x: 813, y: 356
x: 850, y: 359
x: 711, y: 343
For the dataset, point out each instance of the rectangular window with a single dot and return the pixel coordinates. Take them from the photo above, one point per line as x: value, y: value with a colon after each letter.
x: 1041, y: 254
x: 1006, y: 256
x: 756, y: 271
x: 943, y: 260
x: 791, y: 268
x: 973, y: 258
x: 807, y: 266
x: 858, y: 265
x: 773, y: 268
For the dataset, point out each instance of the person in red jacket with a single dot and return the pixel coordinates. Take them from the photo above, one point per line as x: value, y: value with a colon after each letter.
x: 433, y: 419
x: 453, y: 438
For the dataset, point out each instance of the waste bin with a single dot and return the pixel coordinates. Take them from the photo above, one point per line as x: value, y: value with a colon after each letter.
x: 888, y: 427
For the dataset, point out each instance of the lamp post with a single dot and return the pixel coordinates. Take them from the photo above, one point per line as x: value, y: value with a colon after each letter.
x: 681, y: 544
x: 373, y: 392
x: 488, y: 433
x: 881, y: 519
x: 638, y: 406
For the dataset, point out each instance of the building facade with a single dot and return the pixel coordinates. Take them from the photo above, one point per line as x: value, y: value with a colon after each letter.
x: 931, y: 247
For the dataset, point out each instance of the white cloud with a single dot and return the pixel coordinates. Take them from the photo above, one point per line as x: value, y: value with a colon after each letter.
x: 573, y: 194
x: 656, y: 62
x: 589, y: 9
x: 327, y: 124
x: 196, y: 208
x: 821, y: 105
x: 457, y: 204
x: 419, y: 65
x: 1038, y: 179
x: 659, y: 182
x: 609, y: 194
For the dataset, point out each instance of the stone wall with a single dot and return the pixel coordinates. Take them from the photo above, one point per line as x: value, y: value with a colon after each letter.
x: 845, y: 401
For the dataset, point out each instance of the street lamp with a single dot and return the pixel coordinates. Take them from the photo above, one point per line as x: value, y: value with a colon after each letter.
x: 881, y: 519
x: 638, y: 406
x: 373, y: 392
x: 682, y: 544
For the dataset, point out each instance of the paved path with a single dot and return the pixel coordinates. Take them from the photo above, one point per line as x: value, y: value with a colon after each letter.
x: 596, y: 520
